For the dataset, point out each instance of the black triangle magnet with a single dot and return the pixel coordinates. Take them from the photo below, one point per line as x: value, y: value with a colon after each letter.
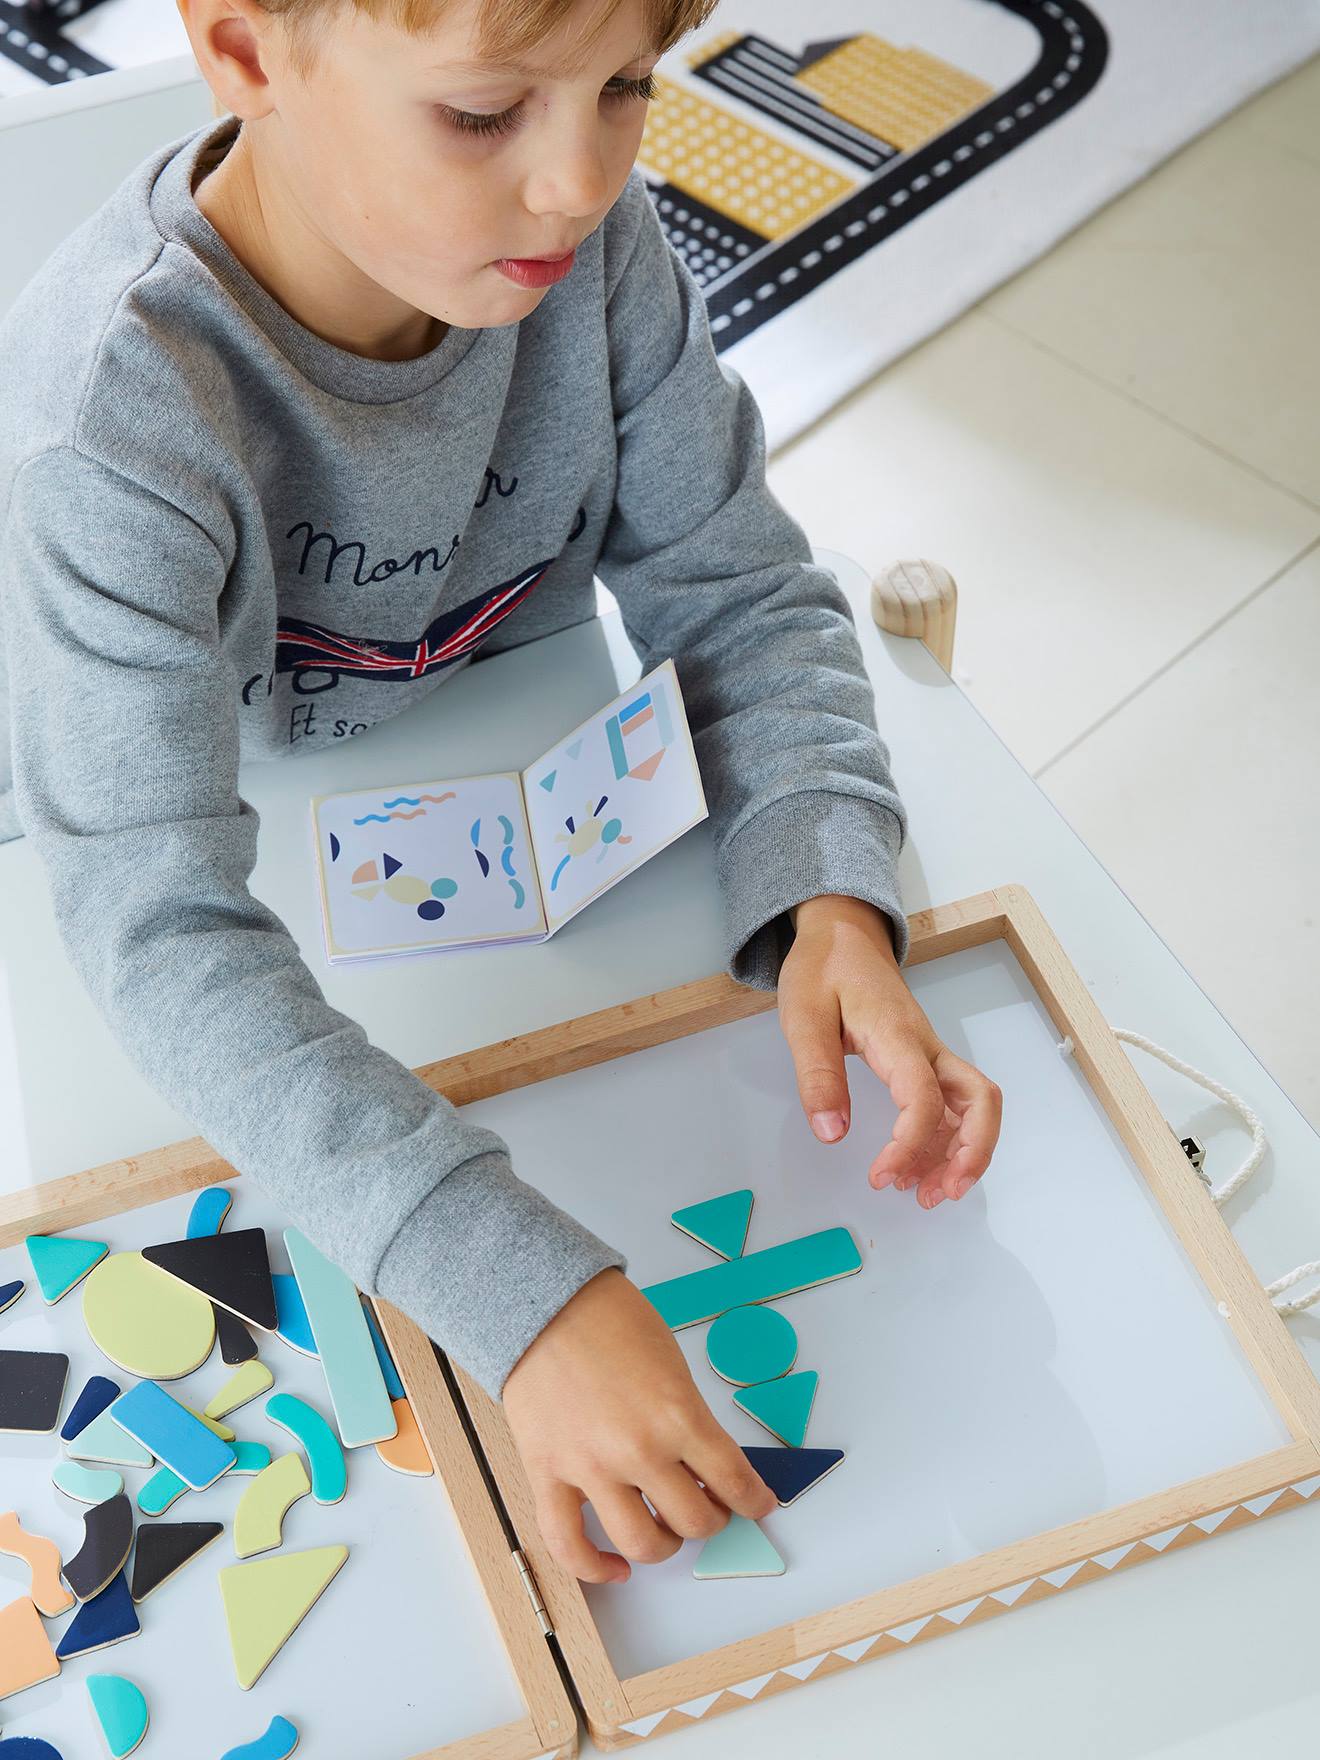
x: 233, y: 1269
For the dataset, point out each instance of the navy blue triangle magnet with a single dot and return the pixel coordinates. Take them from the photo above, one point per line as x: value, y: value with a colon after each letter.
x: 791, y: 1471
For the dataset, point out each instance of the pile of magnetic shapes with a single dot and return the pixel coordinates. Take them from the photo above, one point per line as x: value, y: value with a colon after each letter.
x: 155, y: 1315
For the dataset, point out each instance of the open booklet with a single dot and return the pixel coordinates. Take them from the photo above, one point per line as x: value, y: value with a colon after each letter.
x: 469, y: 861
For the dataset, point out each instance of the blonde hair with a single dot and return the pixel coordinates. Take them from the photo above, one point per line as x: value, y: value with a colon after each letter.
x: 505, y: 28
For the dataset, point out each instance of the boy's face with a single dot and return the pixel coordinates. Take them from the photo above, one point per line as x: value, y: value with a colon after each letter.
x: 377, y: 165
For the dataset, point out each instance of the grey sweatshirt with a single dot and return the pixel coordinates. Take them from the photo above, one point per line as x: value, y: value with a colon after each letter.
x: 226, y: 538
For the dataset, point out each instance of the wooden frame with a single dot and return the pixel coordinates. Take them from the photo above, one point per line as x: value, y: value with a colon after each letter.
x: 620, y: 1712
x: 523, y: 1581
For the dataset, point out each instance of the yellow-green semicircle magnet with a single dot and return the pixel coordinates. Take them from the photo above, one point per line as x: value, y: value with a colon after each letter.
x: 145, y: 1320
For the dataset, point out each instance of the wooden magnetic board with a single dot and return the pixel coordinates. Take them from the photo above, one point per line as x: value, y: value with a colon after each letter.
x: 1035, y: 1386
x: 425, y: 1643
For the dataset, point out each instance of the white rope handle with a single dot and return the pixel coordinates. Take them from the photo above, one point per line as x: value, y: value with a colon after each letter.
x: 1259, y: 1144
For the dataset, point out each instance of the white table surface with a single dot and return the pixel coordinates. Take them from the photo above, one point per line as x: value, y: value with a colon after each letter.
x: 1206, y: 1652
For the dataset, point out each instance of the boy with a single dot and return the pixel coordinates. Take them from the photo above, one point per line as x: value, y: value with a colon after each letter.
x: 292, y: 429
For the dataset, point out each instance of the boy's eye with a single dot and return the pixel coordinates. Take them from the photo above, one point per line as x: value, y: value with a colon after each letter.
x: 504, y: 121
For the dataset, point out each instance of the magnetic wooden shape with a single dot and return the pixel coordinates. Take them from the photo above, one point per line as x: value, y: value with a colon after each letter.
x: 791, y: 1471
x: 107, y: 1536
x: 237, y: 1344
x: 232, y: 1270
x: 31, y: 1748
x: 259, y: 1518
x: 405, y: 1451
x: 293, y: 1325
x: 10, y: 1292
x: 740, y: 1549
x: 104, y: 1440
x: 751, y: 1344
x: 348, y: 1357
x: 121, y: 1710
x: 319, y: 1443
x: 783, y: 1406
x: 214, y: 1425
x: 42, y: 1557
x: 178, y: 1440
x: 98, y: 1392
x: 87, y: 1484
x: 253, y: 1457
x: 107, y: 1618
x: 145, y: 1320
x: 244, y: 1384
x: 393, y: 1385
x: 209, y: 1209
x: 756, y: 1277
x: 162, y: 1489
x: 164, y: 1548
x: 265, y: 1600
x: 276, y: 1743
x: 31, y: 1388
x: 25, y: 1653
x: 58, y: 1262
x: 718, y: 1223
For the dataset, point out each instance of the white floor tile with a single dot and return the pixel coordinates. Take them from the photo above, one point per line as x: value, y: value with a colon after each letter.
x: 1287, y: 112
x: 1091, y: 541
x: 1197, y: 293
x: 1200, y: 796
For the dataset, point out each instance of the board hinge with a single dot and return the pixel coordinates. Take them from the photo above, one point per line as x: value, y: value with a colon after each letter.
x: 533, y: 1593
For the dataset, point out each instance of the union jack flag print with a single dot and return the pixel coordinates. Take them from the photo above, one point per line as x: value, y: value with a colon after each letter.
x: 308, y: 648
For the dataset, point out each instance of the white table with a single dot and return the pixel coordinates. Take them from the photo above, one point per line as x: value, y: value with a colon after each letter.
x: 1208, y: 1652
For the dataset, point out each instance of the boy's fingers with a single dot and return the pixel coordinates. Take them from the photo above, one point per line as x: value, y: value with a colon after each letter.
x: 815, y: 1038
x: 559, y: 1517
x: 920, y: 1100
x: 683, y: 1505
x: 980, y: 1102
x: 729, y: 1476
x: 630, y: 1524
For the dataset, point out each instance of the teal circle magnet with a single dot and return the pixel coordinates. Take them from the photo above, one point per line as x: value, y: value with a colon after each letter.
x: 751, y: 1344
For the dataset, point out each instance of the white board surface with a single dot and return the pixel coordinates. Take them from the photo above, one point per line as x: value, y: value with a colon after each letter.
x: 1028, y: 1356
x: 400, y: 1655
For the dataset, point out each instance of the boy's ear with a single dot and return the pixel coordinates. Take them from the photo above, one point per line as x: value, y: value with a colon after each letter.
x: 228, y: 39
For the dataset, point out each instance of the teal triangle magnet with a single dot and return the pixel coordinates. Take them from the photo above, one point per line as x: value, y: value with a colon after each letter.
x: 59, y: 1262
x: 783, y: 1406
x: 718, y: 1223
x: 740, y: 1549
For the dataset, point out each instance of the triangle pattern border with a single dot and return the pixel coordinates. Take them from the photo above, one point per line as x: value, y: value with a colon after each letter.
x: 1023, y: 1592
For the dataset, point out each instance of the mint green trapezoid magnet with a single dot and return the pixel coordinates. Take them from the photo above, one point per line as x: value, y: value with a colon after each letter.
x: 718, y: 1223
x: 740, y: 1549
x: 783, y: 1406
x: 59, y: 1262
x: 121, y: 1711
x: 751, y: 1344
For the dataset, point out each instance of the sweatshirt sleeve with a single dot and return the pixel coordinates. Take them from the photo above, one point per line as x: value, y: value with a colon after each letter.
x: 710, y: 568
x: 125, y: 744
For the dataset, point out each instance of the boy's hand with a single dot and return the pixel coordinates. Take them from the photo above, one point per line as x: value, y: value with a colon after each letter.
x: 840, y: 992
x: 604, y: 1410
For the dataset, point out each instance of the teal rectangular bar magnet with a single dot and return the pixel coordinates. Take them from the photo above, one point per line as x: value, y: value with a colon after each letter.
x: 756, y: 1277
